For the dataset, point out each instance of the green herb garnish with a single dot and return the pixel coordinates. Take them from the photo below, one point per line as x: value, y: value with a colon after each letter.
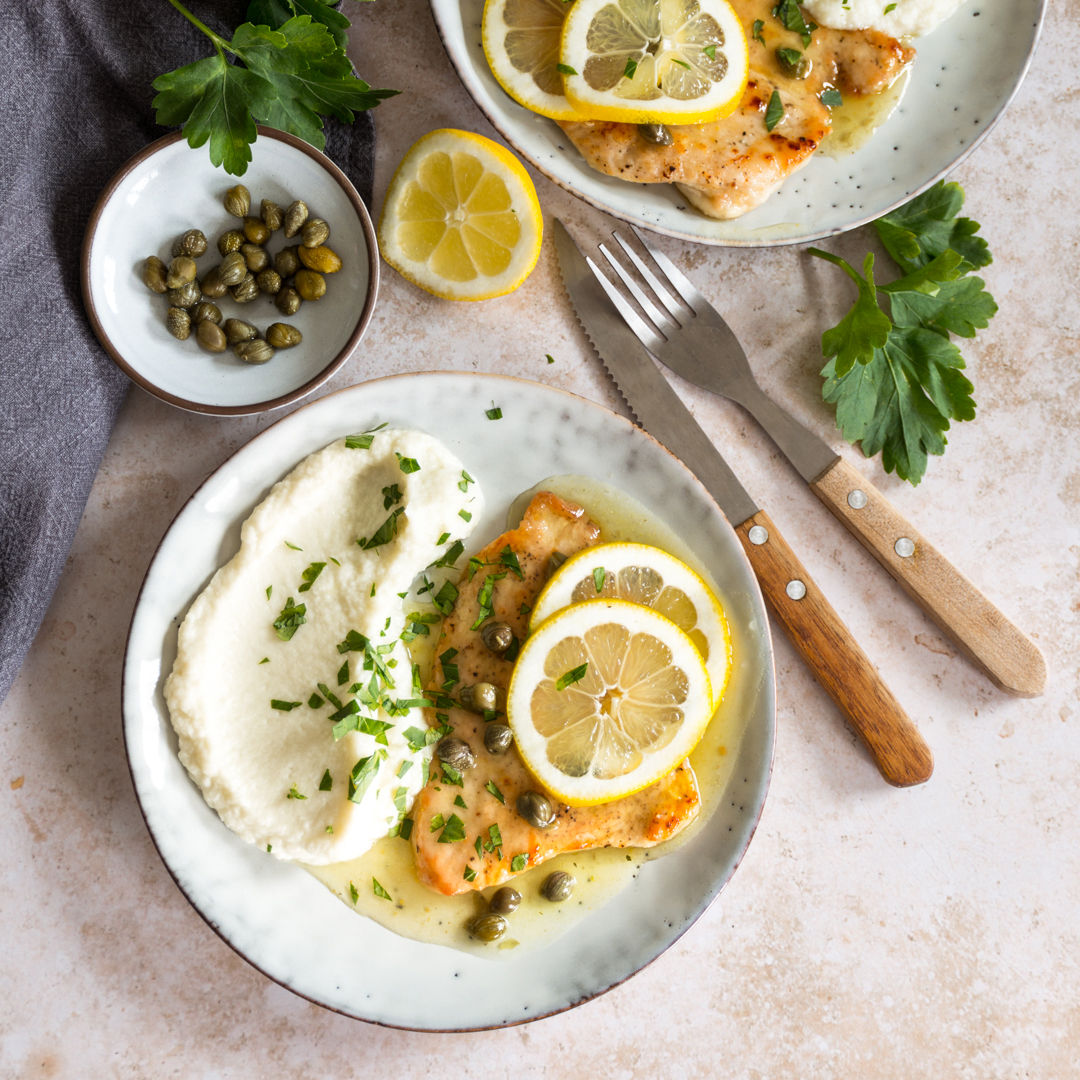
x: 568, y: 678
x: 309, y: 576
x: 896, y: 378
x: 327, y: 782
x: 364, y: 440
x: 774, y: 111
x: 292, y: 617
x: 407, y: 464
x: 379, y: 891
x: 283, y: 706
x: 453, y: 830
x: 495, y: 413
x: 493, y: 789
x: 384, y: 533
x: 831, y: 98
x: 294, y: 794
x: 518, y: 863
x: 631, y: 68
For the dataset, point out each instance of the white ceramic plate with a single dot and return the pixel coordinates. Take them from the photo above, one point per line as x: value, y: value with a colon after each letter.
x: 279, y: 917
x: 169, y: 188
x: 964, y: 76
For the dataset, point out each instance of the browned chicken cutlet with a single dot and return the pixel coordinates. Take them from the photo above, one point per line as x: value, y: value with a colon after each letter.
x: 484, y: 857
x: 730, y: 166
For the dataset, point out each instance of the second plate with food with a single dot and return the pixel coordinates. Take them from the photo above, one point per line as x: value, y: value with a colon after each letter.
x: 511, y: 436
x: 964, y: 76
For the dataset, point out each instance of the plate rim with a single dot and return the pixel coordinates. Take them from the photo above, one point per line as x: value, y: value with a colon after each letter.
x: 267, y: 404
x: 127, y: 691
x: 437, y: 6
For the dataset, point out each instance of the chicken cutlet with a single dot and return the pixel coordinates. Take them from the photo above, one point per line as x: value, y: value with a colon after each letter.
x: 467, y: 833
x: 730, y: 166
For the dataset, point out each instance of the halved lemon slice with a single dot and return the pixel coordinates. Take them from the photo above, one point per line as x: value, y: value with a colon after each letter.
x: 654, y: 61
x: 461, y: 218
x: 605, y: 698
x: 521, y: 42
x: 645, y: 575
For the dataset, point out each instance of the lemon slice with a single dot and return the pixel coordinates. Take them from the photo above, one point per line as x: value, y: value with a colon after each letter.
x: 605, y: 698
x: 645, y: 575
x: 521, y: 42
x: 654, y: 61
x: 461, y: 218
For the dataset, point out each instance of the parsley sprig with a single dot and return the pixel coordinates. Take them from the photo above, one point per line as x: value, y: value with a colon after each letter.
x: 285, y: 67
x: 894, y: 374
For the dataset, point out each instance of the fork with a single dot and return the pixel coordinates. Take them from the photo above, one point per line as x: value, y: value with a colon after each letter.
x: 684, y: 331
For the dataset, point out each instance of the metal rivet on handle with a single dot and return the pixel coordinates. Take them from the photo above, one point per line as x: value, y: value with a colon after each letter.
x: 856, y: 499
x: 758, y: 534
x: 904, y: 547
x: 795, y: 589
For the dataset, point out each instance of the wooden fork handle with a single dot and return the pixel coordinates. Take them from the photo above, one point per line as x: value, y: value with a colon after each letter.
x: 1007, y: 655
x: 842, y: 668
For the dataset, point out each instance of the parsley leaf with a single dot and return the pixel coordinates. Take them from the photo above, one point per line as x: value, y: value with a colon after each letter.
x: 896, y: 377
x: 288, y: 71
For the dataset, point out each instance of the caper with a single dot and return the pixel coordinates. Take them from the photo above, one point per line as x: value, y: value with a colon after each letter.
x: 480, y: 697
x: 192, y: 242
x: 536, y: 809
x: 793, y: 64
x: 238, y: 201
x: 186, y: 296
x: 212, y: 285
x: 255, y: 257
x: 211, y: 337
x: 153, y: 274
x: 233, y: 269
x: 288, y: 300
x: 271, y: 214
x: 181, y: 270
x: 255, y: 230
x: 282, y: 335
x: 243, y: 292
x: 456, y: 753
x: 178, y: 322
x: 497, y: 738
x: 269, y: 281
x: 310, y: 284
x: 286, y: 261
x: 558, y: 886
x: 497, y: 636
x: 487, y: 927
x: 321, y: 258
x: 295, y: 216
x: 314, y: 233
x: 237, y: 331
x: 204, y: 311
x: 229, y: 241
x: 505, y: 901
x: 255, y: 351
x: 657, y: 134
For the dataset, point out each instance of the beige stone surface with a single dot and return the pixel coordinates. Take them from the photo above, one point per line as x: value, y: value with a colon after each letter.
x: 870, y: 932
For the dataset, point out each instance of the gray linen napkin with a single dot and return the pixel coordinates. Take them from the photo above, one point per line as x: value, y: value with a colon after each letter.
x: 74, y: 106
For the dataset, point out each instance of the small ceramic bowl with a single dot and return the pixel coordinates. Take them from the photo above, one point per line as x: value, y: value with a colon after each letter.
x: 169, y: 188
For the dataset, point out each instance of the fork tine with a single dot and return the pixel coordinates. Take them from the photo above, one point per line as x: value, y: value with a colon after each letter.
x: 661, y: 320
x: 667, y: 295
x: 640, y: 329
x: 677, y: 279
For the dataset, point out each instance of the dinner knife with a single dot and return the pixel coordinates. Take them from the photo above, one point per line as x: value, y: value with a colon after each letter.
x: 705, y: 351
x: 819, y: 635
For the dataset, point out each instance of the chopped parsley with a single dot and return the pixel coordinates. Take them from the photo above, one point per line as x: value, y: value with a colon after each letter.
x: 294, y: 794
x: 407, y: 464
x: 379, y: 891
x: 491, y: 787
x: 391, y: 494
x: 292, y: 617
x: 774, y: 111
x: 446, y: 597
x: 562, y: 69
x: 453, y: 830
x: 451, y: 554
x: 495, y: 413
x: 364, y: 440
x: 310, y: 574
x: 598, y: 578
x: 363, y: 772
x: 465, y: 481
x: 284, y: 706
x: 631, y: 68
x: 353, y: 894
x: 519, y: 862
x: 759, y: 25
x: 384, y: 533
x: 568, y: 678
x: 327, y: 782
x: 831, y: 98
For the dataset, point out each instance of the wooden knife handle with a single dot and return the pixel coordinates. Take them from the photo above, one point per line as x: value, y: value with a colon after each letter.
x: 842, y: 668
x: 1007, y: 655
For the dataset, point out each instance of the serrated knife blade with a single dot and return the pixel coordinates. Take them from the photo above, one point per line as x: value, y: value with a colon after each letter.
x: 817, y: 632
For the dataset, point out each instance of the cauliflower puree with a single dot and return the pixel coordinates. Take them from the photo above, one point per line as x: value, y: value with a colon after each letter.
x: 900, y: 19
x: 293, y: 696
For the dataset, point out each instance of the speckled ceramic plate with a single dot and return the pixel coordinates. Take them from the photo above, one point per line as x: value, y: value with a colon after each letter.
x: 169, y: 188
x: 965, y: 75
x: 279, y: 917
